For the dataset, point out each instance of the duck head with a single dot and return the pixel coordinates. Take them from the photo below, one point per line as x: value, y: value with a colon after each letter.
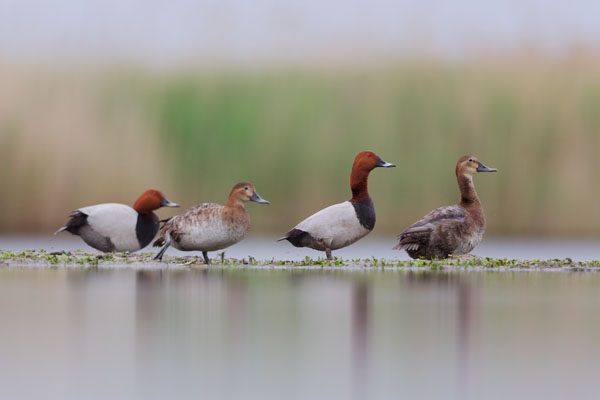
x: 470, y: 165
x: 152, y: 200
x: 364, y: 163
x: 367, y: 161
x: 244, y: 192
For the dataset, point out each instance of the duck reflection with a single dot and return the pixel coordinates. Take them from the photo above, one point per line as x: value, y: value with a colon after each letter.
x: 360, y: 339
x: 464, y: 287
x: 229, y: 317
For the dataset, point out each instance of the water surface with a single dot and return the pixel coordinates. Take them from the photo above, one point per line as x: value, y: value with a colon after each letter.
x: 259, y: 334
x: 267, y: 248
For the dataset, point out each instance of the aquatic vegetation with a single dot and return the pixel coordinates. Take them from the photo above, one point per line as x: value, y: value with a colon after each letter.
x: 42, y: 259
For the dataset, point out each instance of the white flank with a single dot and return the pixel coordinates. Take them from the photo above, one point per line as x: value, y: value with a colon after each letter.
x: 335, y: 227
x: 115, y: 221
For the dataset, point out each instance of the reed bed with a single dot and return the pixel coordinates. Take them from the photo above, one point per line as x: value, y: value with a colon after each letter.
x: 72, y: 139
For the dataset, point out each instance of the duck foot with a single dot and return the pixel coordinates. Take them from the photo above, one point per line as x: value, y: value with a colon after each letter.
x: 328, y: 254
x: 206, y: 259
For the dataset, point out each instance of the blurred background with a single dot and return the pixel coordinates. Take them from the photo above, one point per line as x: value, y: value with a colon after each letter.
x: 101, y: 100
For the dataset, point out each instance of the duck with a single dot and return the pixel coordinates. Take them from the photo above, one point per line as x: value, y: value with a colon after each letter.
x: 452, y: 230
x: 111, y: 227
x: 209, y: 226
x: 341, y: 224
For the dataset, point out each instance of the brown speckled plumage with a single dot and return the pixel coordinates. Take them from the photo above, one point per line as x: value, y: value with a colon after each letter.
x: 209, y: 227
x: 209, y: 214
x: 452, y: 230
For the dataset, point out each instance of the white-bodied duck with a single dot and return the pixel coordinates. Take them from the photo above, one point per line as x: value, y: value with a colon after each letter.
x: 341, y: 224
x: 117, y: 227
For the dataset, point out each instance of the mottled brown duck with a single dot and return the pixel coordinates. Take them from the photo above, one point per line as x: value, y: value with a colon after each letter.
x: 452, y: 230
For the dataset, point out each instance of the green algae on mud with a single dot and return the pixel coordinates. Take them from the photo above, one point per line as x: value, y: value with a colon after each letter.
x: 44, y: 259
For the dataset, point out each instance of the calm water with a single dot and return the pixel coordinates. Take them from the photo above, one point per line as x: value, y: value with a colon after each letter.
x: 299, y: 334
x: 266, y: 248
x: 259, y: 334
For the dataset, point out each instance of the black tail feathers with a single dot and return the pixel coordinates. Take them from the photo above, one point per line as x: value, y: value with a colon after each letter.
x: 76, y: 220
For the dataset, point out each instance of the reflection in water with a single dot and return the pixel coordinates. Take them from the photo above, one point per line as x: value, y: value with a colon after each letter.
x: 466, y: 321
x: 149, y: 300
x: 360, y: 330
x: 147, y: 303
x: 158, y: 296
x: 463, y: 290
x: 237, y: 313
x: 302, y: 334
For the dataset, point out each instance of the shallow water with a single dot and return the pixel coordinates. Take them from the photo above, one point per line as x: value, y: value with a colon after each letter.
x: 298, y: 334
x: 267, y: 248
x: 252, y: 334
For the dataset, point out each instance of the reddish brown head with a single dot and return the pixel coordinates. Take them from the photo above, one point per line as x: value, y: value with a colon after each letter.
x: 364, y: 163
x: 151, y: 200
x: 244, y: 192
x: 466, y: 167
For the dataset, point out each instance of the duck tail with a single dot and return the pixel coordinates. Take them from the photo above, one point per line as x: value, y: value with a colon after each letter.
x: 282, y: 238
x: 407, y: 246
x: 64, y: 228
x: 400, y: 245
x: 161, y: 239
x: 76, y: 221
x: 164, y: 232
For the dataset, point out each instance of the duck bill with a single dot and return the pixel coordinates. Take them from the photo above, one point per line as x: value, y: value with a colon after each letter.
x: 167, y: 203
x: 256, y: 197
x: 483, y: 168
x: 381, y: 163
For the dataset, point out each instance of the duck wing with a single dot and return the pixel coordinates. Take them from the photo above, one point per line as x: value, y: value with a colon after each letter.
x: 419, y: 233
x: 172, y: 226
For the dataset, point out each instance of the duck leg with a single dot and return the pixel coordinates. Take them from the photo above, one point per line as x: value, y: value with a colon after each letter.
x: 328, y: 253
x: 206, y: 259
x: 159, y: 256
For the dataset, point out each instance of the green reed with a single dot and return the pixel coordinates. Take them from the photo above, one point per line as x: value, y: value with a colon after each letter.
x: 294, y: 134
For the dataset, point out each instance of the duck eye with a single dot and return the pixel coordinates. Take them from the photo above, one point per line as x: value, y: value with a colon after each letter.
x: 470, y: 160
x: 246, y: 188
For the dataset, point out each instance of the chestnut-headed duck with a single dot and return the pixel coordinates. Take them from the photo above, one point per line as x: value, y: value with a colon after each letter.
x: 209, y: 227
x: 117, y: 227
x: 452, y: 230
x: 341, y: 224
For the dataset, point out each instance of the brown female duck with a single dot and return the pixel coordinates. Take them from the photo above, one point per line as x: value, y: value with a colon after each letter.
x: 208, y: 226
x: 453, y: 230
